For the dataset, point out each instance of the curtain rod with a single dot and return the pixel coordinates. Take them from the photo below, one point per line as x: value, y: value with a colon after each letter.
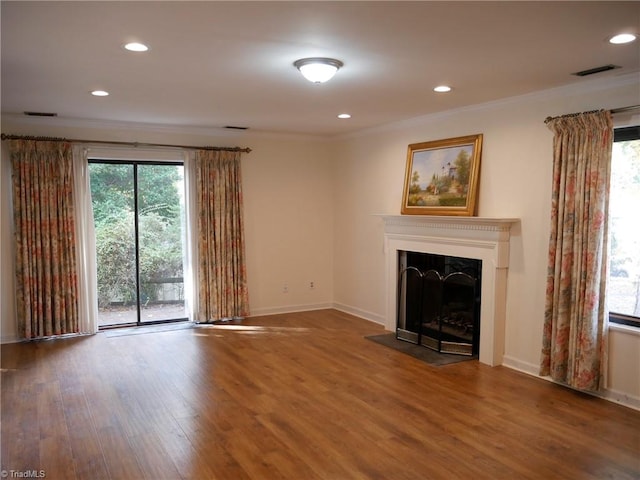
x: 5, y: 136
x: 613, y: 112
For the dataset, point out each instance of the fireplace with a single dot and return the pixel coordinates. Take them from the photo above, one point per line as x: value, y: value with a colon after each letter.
x: 439, y: 302
x: 479, y: 238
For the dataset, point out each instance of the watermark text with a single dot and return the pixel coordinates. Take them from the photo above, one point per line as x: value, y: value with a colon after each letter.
x: 23, y: 474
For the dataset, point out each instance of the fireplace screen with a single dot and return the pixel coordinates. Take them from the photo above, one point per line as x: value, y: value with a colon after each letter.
x: 439, y: 302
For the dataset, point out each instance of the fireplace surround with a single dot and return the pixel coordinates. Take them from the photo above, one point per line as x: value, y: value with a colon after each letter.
x: 481, y: 238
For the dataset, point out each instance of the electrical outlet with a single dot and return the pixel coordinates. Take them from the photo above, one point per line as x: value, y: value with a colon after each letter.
x: 312, y: 285
x: 285, y: 288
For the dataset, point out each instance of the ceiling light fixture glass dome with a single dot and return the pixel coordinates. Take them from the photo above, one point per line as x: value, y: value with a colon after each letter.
x: 318, y: 70
x: 136, y: 47
x: 622, y: 38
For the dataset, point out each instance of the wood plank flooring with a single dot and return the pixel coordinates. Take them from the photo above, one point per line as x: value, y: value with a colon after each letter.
x: 295, y: 396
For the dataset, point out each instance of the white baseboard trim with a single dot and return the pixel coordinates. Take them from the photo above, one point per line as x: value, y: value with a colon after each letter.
x: 622, y: 398
x: 261, y: 312
x: 358, y: 312
x: 614, y: 396
x: 521, y: 366
x: 9, y: 339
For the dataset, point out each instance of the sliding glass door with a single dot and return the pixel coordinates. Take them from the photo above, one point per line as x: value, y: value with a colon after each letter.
x: 139, y: 221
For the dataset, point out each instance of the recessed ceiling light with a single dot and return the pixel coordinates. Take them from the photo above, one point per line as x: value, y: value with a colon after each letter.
x: 136, y: 47
x: 622, y: 38
x: 442, y: 89
x: 99, y: 93
x: 344, y: 115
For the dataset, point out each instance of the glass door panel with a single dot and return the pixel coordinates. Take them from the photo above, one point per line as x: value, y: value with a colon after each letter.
x: 113, y: 199
x: 139, y: 221
x: 160, y: 233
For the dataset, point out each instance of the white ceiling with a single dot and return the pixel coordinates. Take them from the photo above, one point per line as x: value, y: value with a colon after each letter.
x: 214, y: 64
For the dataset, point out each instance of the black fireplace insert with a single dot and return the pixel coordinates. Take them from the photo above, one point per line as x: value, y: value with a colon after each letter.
x: 439, y: 302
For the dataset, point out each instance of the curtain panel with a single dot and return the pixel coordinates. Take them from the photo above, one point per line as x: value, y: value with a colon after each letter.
x: 45, y: 238
x: 85, y: 243
x: 222, y: 284
x: 575, y: 323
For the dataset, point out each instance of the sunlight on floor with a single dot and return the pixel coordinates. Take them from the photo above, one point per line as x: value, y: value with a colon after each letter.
x: 253, y: 329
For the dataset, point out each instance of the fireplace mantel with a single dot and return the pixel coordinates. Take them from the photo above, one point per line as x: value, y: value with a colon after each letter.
x: 481, y: 238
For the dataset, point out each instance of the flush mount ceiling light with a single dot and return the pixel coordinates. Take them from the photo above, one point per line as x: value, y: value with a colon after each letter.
x: 442, y: 89
x: 344, y: 116
x: 136, y: 47
x: 100, y: 93
x: 622, y: 38
x: 318, y: 70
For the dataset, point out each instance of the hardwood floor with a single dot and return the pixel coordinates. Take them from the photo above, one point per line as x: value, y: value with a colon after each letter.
x: 296, y: 396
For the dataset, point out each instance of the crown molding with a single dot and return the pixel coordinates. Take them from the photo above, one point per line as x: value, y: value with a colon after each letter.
x: 73, y: 122
x: 572, y: 89
x: 19, y: 119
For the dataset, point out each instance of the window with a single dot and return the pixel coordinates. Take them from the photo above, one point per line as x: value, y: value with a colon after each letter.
x: 623, y: 287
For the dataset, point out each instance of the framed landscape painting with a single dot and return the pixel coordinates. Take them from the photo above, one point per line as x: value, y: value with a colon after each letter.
x: 442, y: 177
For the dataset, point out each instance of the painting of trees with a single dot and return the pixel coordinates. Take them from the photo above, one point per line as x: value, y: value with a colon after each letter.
x: 443, y: 176
x: 462, y: 168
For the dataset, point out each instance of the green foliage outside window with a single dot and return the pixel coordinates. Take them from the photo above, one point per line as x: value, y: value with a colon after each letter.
x: 160, y: 234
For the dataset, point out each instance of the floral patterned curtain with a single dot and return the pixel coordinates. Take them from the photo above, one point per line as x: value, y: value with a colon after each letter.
x: 46, y: 274
x: 575, y: 326
x: 222, y: 283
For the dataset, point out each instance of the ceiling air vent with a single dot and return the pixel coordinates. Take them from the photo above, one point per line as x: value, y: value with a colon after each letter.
x: 40, y: 114
x: 591, y: 71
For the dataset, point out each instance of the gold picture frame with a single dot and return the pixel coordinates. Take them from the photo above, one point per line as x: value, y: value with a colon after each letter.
x: 442, y: 177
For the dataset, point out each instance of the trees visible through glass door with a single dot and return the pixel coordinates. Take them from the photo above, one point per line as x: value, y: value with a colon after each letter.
x: 139, y: 221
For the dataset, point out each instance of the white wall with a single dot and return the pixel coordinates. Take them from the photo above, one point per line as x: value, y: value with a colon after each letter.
x: 515, y: 181
x: 288, y: 212
x: 288, y: 220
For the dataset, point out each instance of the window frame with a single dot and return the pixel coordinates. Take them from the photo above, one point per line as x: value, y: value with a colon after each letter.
x: 624, y: 134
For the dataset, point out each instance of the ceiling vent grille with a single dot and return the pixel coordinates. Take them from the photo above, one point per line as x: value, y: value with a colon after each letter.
x: 40, y: 114
x: 591, y: 71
